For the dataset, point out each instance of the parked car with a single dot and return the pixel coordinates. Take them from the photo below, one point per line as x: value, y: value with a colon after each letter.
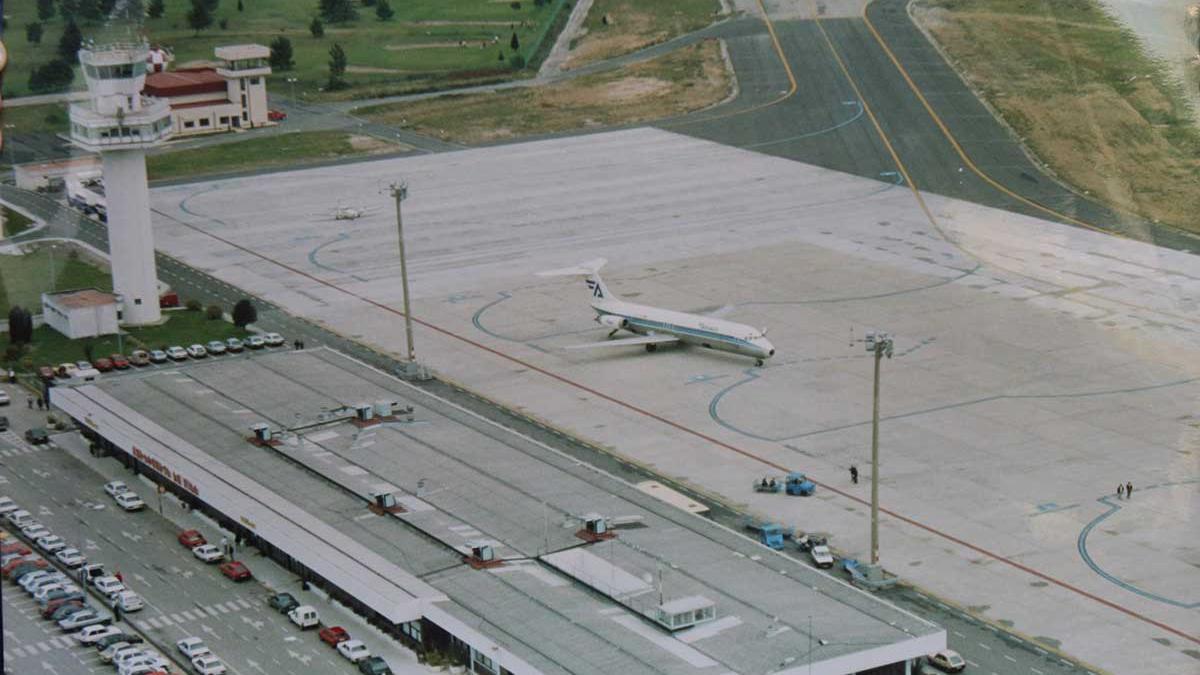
x: 28, y: 582
x: 84, y: 365
x: 207, y: 664
x: 129, y: 501
x: 37, y: 436
x: 51, y: 543
x: 273, y: 339
x: 255, y: 342
x: 45, y: 594
x: 139, y: 358
x: 20, y: 569
x: 208, y: 553
x: 236, y: 570
x: 66, y: 609
x: 46, y: 372
x: 192, y: 647
x: 88, y: 574
x: 67, y: 369
x: 35, y: 530
x: 127, y: 655
x: 276, y: 115
x: 83, y: 619
x: 103, y: 365
x: 158, y: 356
x: 354, y: 650
x: 821, y: 556
x: 4, y: 399
x: 108, y: 585
x: 128, y: 601
x: 19, y: 517
x: 119, y: 361
x: 215, y: 347
x: 332, y: 635
x: 197, y: 351
x: 52, y: 606
x: 110, y: 650
x: 947, y: 660
x: 116, y: 487
x: 177, y: 353
x: 7, y: 506
x: 71, y: 557
x: 373, y: 665
x: 129, y: 640
x: 191, y: 539
x: 283, y: 602
x: 15, y: 547
x: 234, y: 345
x: 3, y: 423
x: 305, y: 616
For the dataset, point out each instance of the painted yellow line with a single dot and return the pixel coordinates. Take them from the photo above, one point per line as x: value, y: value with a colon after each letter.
x: 958, y: 148
x: 792, y: 85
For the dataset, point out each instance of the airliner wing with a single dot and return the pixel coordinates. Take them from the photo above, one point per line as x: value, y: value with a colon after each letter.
x: 625, y: 342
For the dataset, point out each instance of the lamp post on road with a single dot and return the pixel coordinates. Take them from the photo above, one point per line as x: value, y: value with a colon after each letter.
x: 292, y: 82
x: 881, y: 345
x: 400, y: 193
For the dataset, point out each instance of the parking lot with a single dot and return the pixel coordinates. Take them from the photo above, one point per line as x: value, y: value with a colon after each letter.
x: 62, y: 486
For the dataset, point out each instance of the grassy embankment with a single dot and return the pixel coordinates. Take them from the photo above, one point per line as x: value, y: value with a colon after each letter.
x: 1084, y: 96
x: 23, y: 278
x: 687, y: 79
x: 427, y: 43
x: 283, y: 150
x: 636, y: 24
x: 14, y: 222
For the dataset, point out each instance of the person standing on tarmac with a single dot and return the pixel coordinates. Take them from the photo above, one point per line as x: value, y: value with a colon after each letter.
x: 854, y: 474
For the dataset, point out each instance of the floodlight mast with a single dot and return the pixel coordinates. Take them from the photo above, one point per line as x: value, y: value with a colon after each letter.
x: 881, y: 344
x: 400, y: 193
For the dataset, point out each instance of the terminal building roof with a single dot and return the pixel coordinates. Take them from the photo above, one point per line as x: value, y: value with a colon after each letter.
x: 559, y: 602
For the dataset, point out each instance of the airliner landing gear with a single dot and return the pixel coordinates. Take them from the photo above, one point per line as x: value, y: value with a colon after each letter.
x: 612, y: 333
x: 652, y: 347
x: 759, y: 363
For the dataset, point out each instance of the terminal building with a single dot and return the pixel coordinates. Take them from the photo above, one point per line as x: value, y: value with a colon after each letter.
x: 232, y: 95
x: 463, y: 537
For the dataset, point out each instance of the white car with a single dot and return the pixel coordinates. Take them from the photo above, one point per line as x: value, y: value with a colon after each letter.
x: 158, y: 356
x: 51, y: 543
x: 35, y: 530
x: 112, y: 650
x: 129, y: 501
x: 215, y: 347
x: 31, y: 586
x: 20, y: 517
x: 197, y: 351
x: 126, y: 654
x: 177, y: 353
x: 821, y: 556
x: 273, y: 339
x: 947, y: 660
x: 192, y: 647
x: 91, y: 634
x: 353, y: 650
x: 234, y: 345
x: 29, y: 579
x: 148, y: 662
x: 208, y: 553
x: 108, y: 585
x: 255, y: 342
x: 7, y: 506
x: 4, y: 399
x: 115, y: 488
x: 128, y: 601
x: 43, y: 591
x: 207, y: 664
x: 71, y: 557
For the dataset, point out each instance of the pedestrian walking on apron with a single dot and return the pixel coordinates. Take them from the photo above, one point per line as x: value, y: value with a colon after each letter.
x: 1129, y: 491
x: 854, y: 474
x: 1120, y: 491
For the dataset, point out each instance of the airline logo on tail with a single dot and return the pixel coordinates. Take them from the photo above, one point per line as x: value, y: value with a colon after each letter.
x: 597, y: 289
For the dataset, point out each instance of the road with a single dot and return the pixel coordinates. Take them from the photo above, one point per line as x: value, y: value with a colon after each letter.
x: 61, y: 484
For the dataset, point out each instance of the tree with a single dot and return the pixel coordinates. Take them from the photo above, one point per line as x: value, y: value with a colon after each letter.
x: 53, y: 76
x: 514, y: 43
x: 384, y: 11
x: 70, y: 42
x: 90, y: 10
x: 33, y: 32
x: 199, y: 17
x: 317, y: 28
x: 20, y: 326
x: 45, y: 9
x: 241, y: 7
x: 212, y: 5
x: 517, y: 62
x: 155, y: 9
x: 107, y: 6
x: 368, y: 3
x: 214, y: 312
x: 337, y: 67
x: 244, y: 313
x: 281, y: 54
x: 223, y: 23
x: 68, y: 8
x: 337, y: 11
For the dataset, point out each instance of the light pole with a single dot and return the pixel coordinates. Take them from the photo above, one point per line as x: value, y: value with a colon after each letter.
x: 292, y: 81
x: 881, y: 345
x: 400, y: 193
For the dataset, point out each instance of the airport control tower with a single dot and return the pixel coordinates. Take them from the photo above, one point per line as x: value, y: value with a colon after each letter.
x: 121, y: 124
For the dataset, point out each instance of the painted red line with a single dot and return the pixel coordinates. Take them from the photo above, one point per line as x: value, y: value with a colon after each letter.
x: 715, y: 441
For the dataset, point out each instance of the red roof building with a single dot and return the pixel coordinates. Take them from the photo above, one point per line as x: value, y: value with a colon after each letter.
x: 230, y: 96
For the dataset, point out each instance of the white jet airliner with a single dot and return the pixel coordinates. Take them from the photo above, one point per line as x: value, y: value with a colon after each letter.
x: 653, y: 326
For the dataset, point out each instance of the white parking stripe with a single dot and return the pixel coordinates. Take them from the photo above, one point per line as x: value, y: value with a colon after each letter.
x: 153, y: 621
x: 225, y: 610
x: 176, y: 618
x: 211, y: 611
x: 166, y: 619
x: 188, y: 615
x: 142, y: 625
x: 243, y: 603
x: 19, y: 651
x: 44, y: 647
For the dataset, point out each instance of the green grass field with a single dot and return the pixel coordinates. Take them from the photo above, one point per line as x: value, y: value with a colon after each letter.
x: 14, y: 223
x: 23, y: 278
x: 182, y: 328
x: 419, y: 47
x: 636, y: 24
x: 290, y: 150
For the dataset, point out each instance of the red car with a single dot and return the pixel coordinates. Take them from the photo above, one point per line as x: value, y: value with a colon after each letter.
x: 332, y: 635
x: 53, y: 605
x: 234, y: 569
x: 46, y: 372
x: 13, y: 564
x: 14, y: 547
x: 103, y: 365
x: 191, y: 539
x: 119, y: 361
x: 276, y: 115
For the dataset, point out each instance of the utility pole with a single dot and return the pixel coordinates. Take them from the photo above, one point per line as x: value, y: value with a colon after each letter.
x: 880, y: 344
x: 400, y: 193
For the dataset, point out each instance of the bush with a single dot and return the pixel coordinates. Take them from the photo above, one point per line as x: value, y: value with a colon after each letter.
x: 194, y: 305
x: 244, y: 313
x: 517, y: 62
x: 214, y: 312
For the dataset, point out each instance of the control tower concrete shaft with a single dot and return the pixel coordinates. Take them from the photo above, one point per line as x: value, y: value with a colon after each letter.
x: 121, y: 124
